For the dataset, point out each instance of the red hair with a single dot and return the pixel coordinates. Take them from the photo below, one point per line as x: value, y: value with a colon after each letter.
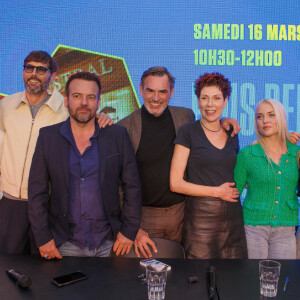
x: 213, y: 79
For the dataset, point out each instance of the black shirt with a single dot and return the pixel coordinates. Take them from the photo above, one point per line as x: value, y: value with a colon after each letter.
x: 207, y: 165
x: 154, y: 156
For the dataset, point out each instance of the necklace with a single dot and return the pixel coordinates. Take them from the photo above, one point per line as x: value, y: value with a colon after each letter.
x: 210, y: 129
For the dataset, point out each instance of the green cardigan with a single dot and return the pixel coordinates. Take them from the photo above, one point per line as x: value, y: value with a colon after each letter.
x: 271, y: 193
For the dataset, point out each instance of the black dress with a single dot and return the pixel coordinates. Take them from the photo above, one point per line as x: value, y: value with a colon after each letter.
x: 213, y: 228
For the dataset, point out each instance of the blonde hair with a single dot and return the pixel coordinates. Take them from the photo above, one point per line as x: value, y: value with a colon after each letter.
x: 280, y: 114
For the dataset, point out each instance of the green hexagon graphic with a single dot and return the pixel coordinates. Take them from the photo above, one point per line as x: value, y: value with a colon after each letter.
x: 118, y: 98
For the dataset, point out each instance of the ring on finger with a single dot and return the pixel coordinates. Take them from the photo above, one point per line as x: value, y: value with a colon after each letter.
x: 46, y: 256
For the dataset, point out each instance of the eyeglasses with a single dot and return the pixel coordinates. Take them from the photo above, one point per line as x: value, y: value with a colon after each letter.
x: 39, y: 70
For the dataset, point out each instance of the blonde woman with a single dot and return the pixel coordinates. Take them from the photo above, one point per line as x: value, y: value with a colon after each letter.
x: 269, y: 169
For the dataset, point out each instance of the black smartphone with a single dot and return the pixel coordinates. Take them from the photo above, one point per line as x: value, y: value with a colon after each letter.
x: 68, y: 279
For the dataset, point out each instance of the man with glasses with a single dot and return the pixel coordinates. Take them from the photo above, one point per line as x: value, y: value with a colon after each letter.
x: 21, y: 117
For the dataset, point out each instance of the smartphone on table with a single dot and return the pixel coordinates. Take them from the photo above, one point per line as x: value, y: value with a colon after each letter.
x: 68, y: 279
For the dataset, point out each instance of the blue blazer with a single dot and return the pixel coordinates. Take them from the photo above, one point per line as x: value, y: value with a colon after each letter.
x: 48, y: 186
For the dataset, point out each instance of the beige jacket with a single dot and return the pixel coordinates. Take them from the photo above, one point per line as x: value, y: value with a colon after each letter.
x: 20, y: 136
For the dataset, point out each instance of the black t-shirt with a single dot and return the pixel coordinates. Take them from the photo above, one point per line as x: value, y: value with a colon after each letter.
x: 207, y: 165
x: 154, y: 156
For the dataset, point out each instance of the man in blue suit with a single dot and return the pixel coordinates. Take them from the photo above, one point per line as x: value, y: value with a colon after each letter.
x: 74, y: 181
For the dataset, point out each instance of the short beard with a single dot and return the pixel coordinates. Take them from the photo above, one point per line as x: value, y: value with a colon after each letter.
x: 38, y: 89
x: 82, y: 119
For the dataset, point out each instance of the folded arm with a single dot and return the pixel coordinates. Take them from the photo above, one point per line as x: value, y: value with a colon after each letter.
x: 226, y: 191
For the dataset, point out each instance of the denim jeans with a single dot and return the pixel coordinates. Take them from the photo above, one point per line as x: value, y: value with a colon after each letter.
x: 298, y: 243
x: 69, y: 249
x: 271, y: 242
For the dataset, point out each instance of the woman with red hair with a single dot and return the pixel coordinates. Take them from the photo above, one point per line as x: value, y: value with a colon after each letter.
x: 203, y: 168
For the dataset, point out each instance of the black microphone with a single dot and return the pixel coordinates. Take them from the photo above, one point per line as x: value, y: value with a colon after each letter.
x: 211, y: 282
x: 21, y: 279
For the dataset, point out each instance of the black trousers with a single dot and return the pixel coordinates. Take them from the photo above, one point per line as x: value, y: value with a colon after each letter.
x: 15, y: 233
